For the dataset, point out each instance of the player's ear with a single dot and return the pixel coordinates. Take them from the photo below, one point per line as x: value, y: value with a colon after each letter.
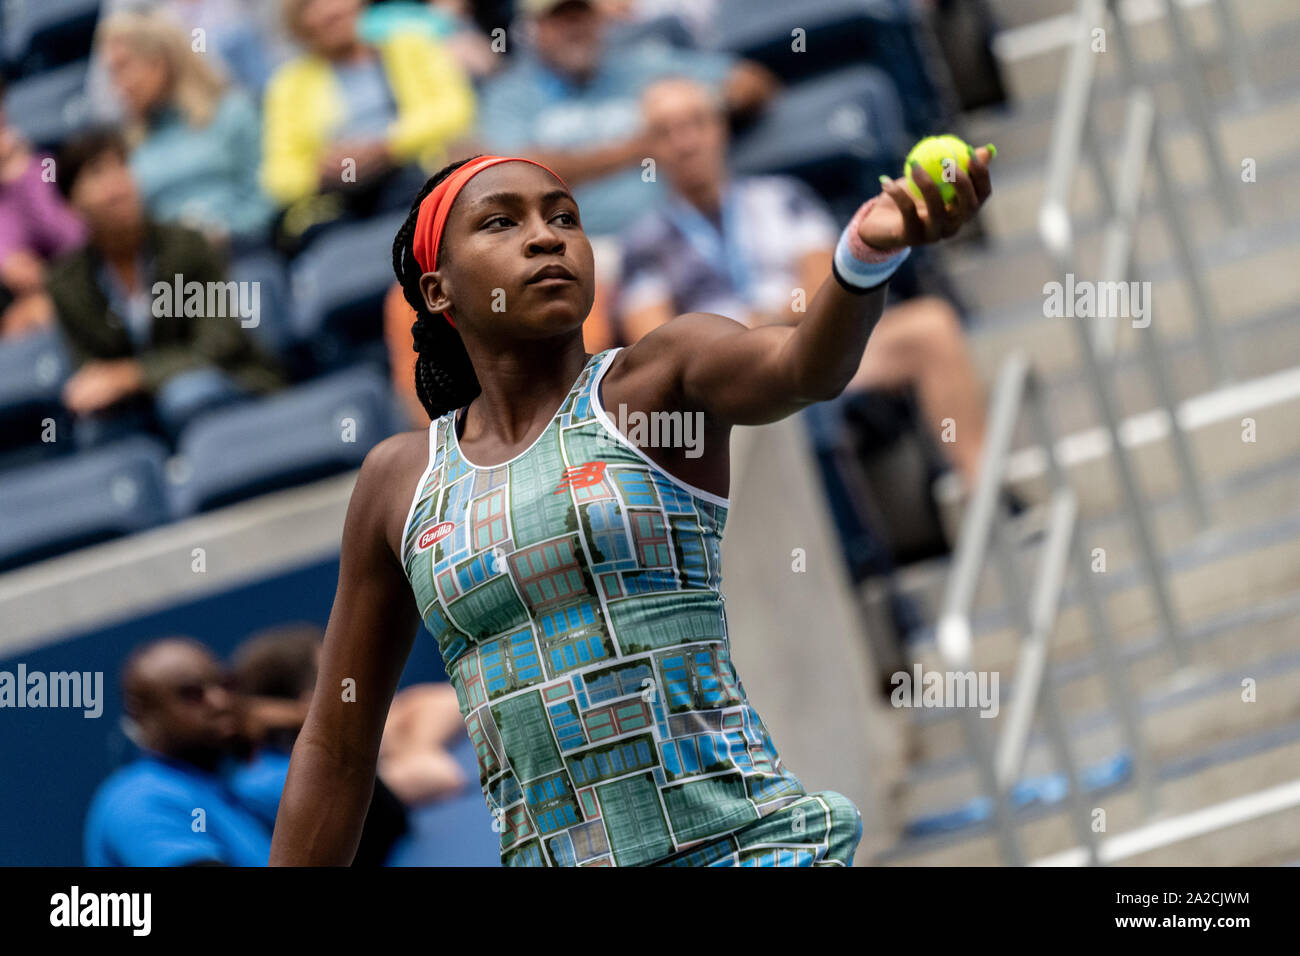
x: 434, y: 292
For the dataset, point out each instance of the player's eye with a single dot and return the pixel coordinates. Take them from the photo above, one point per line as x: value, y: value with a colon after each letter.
x: 570, y: 218
x: 497, y: 219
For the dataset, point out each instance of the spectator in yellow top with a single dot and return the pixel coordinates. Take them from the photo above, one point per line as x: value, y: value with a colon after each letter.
x: 351, y: 129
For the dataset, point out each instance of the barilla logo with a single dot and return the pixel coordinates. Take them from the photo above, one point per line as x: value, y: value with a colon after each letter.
x: 432, y: 536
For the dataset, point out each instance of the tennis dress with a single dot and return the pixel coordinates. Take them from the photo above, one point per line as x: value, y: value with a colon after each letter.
x: 574, y: 592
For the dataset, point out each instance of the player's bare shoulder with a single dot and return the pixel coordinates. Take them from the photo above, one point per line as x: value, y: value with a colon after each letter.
x: 387, y: 482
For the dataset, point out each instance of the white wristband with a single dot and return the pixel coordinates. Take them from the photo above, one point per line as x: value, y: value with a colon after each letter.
x: 865, y: 275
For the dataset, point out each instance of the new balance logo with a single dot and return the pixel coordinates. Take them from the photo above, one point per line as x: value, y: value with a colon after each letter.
x: 582, y: 476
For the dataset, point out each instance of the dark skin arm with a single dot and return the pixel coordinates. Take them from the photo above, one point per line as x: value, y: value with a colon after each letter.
x: 371, y: 628
x: 737, y: 375
x: 732, y: 374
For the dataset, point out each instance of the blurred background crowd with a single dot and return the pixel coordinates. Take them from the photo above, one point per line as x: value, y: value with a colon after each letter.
x: 270, y: 149
x: 201, y: 338
x: 276, y: 145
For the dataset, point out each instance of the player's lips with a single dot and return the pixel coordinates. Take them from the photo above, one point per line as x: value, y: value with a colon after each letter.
x: 548, y: 275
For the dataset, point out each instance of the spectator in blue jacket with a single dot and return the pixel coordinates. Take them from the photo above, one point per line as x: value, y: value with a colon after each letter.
x: 173, y: 805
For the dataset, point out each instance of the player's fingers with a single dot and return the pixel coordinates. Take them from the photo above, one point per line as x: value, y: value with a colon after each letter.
x: 935, y: 213
x: 979, y: 171
x: 913, y: 227
x: 967, y: 203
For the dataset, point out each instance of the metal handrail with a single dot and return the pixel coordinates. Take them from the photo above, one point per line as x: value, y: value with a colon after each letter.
x: 998, y: 764
x: 1143, y: 147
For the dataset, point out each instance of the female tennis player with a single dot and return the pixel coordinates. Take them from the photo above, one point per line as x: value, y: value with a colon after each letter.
x: 570, y: 576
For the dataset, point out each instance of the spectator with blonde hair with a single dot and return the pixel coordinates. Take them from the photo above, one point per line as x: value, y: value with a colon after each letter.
x: 194, y: 140
x: 348, y: 124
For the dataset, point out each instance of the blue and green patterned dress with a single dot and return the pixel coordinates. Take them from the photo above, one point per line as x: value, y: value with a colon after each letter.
x: 574, y: 592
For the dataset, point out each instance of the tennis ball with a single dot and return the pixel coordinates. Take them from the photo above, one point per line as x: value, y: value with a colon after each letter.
x: 930, y: 154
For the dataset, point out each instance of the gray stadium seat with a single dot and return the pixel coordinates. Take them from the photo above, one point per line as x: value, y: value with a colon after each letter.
x: 49, y: 108
x: 839, y: 33
x: 287, y: 438
x: 38, y: 35
x: 840, y: 132
x: 81, y: 499
x: 339, y: 283
x: 33, y: 369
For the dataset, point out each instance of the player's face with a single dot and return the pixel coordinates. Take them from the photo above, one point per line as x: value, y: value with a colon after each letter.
x: 514, y: 260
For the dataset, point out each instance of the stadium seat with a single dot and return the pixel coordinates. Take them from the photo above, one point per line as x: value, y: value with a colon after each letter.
x: 49, y: 108
x: 667, y: 29
x: 339, y: 284
x: 81, y: 500
x: 33, y: 369
x: 840, y: 33
x: 303, y: 433
x: 39, y: 35
x: 273, y: 330
x: 839, y: 132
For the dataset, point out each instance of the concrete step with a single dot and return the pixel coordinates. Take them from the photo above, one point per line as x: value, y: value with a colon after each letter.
x: 1008, y: 273
x: 1033, y: 57
x: 1122, y: 584
x: 1179, y: 714
x: 1266, y: 839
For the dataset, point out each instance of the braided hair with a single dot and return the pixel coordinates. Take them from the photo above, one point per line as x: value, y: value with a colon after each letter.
x: 444, y: 376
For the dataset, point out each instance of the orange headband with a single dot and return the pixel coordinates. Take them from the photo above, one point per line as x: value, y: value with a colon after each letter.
x: 432, y: 217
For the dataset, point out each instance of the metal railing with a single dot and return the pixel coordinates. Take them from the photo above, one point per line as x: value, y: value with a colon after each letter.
x: 1074, y: 133
x: 1034, y: 613
x: 999, y: 763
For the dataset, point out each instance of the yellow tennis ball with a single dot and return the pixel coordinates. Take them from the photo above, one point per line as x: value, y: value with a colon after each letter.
x: 931, y: 154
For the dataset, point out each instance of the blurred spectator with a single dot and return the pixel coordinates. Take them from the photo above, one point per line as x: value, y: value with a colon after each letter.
x: 172, y: 806
x: 144, y: 357
x: 450, y: 22
x: 243, y: 39
x: 275, y: 673
x: 344, y: 123
x: 35, y: 227
x: 195, y: 142
x: 746, y: 247
x: 571, y: 103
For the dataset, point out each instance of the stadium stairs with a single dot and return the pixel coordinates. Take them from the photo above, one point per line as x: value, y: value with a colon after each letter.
x: 1236, y: 584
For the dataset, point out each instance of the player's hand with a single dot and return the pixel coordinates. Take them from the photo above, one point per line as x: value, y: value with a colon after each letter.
x: 897, y: 220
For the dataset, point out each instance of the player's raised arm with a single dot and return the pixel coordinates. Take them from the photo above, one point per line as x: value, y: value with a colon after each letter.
x: 744, y: 376
x: 332, y: 773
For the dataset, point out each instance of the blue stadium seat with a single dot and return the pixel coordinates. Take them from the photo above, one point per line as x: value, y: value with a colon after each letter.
x: 33, y: 369
x: 50, y: 107
x: 81, y: 500
x: 839, y: 33
x: 839, y: 132
x: 38, y: 35
x: 273, y: 329
x: 339, y: 284
x: 303, y: 433
x: 666, y: 29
